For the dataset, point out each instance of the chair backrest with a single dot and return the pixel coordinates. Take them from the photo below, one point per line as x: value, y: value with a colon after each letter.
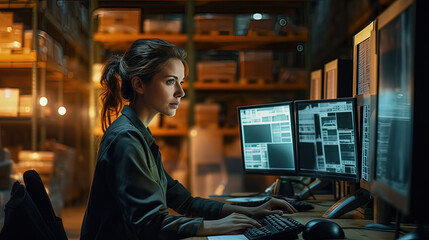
x: 29, y: 213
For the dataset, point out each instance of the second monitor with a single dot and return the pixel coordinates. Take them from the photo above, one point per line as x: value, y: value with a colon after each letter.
x: 327, y: 139
x: 267, y: 138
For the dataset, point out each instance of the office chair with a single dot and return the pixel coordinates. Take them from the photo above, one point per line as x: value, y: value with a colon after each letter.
x: 29, y: 213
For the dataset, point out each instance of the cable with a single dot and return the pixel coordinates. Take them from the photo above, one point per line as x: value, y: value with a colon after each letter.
x: 374, y: 229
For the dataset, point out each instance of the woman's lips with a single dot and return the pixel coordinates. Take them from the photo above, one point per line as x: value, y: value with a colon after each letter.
x: 174, y: 105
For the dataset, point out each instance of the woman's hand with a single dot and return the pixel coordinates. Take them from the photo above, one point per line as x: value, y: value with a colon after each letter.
x: 273, y: 206
x: 234, y: 223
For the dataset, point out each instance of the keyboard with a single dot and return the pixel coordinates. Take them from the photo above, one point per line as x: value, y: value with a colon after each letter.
x: 275, y: 226
x: 300, y: 206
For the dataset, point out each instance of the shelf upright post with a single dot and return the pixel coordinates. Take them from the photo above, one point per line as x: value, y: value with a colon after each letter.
x: 34, y: 79
x: 92, y: 93
x: 190, y: 48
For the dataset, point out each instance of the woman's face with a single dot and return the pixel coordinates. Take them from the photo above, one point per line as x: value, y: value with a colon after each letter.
x: 163, y: 93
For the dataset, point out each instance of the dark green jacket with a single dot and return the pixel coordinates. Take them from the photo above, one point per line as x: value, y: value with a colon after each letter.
x: 131, y: 192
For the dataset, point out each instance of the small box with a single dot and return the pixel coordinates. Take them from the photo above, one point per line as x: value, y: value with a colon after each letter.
x: 173, y: 26
x: 57, y: 54
x: 25, y: 105
x: 256, y: 66
x: 119, y: 21
x: 12, y: 38
x: 45, y: 46
x: 207, y: 115
x: 263, y: 27
x: 9, y: 98
x: 217, y: 71
x: 215, y: 24
x: 6, y: 20
x: 292, y: 75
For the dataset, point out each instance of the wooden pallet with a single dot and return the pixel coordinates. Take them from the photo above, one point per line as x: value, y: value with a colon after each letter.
x: 256, y: 81
x: 216, y: 33
x: 217, y: 79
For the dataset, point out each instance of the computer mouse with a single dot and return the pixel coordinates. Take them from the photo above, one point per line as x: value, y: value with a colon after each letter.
x: 322, y: 229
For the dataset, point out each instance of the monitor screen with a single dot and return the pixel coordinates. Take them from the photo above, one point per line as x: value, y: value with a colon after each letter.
x: 327, y: 138
x: 363, y: 67
x: 267, y: 138
x: 395, y: 103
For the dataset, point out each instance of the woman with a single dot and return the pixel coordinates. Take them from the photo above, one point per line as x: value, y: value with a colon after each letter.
x: 131, y: 192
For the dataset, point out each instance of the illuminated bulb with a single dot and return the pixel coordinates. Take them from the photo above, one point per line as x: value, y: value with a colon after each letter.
x: 43, y: 101
x: 9, y: 29
x: 16, y: 44
x: 194, y: 133
x: 257, y: 16
x: 62, y: 110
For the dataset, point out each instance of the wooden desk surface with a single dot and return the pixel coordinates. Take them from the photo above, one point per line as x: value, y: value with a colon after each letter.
x: 347, y: 220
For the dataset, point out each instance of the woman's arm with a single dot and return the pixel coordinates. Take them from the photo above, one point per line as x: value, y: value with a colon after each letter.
x: 273, y: 206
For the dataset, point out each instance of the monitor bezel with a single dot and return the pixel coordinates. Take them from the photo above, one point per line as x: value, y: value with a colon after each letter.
x: 378, y: 188
x: 324, y: 175
x: 366, y: 99
x: 272, y: 172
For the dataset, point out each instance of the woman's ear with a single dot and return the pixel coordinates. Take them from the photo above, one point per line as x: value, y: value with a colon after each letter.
x: 138, y: 85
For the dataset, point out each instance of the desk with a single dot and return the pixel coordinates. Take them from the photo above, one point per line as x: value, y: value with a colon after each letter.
x: 347, y: 220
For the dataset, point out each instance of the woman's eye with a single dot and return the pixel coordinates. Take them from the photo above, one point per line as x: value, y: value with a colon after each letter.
x: 170, y: 81
x: 181, y: 83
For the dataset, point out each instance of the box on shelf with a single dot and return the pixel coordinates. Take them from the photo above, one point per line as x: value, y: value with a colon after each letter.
x: 180, y: 120
x: 256, y: 67
x: 207, y: 114
x: 119, y: 20
x: 25, y: 105
x: 169, y: 26
x: 12, y: 38
x: 44, y: 44
x: 217, y: 71
x: 263, y: 27
x: 292, y: 75
x: 6, y: 20
x: 214, y: 24
x: 9, y: 98
x: 57, y: 54
x: 41, y: 161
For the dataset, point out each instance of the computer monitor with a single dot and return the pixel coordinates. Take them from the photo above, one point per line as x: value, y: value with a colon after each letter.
x: 338, y: 79
x: 327, y: 138
x: 267, y: 138
x: 316, y: 84
x: 401, y: 165
x: 364, y: 90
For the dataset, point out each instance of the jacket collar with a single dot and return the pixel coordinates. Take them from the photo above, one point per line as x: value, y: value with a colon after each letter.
x: 129, y: 113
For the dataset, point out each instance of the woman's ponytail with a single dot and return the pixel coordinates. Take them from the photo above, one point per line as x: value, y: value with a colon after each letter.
x: 111, y: 92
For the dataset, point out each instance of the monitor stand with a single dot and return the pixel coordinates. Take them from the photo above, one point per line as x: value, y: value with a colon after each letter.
x: 311, y: 189
x: 283, y: 187
x: 422, y: 232
x: 348, y: 203
x: 382, y: 215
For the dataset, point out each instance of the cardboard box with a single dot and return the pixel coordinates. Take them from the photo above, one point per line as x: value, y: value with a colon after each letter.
x: 256, y: 66
x: 214, y: 24
x: 6, y: 20
x: 263, y: 27
x: 207, y: 115
x: 173, y: 26
x: 25, y: 105
x: 12, y: 38
x: 9, y: 98
x: 119, y: 21
x: 217, y: 71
